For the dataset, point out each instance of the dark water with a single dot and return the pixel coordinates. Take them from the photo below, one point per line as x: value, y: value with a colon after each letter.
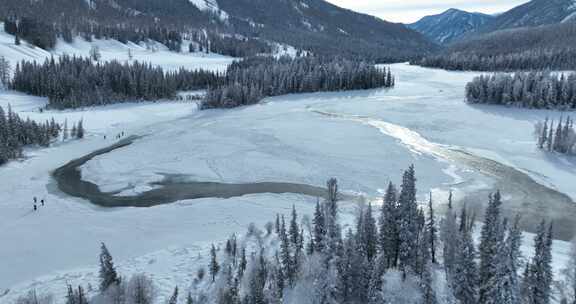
x: 522, y: 195
x: 171, y: 189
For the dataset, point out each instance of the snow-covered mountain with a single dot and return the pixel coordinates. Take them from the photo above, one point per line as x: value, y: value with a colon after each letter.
x: 324, y: 28
x: 450, y: 25
x: 535, y: 13
x: 309, y: 25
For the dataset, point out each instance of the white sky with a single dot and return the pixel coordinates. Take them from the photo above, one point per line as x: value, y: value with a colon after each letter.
x: 408, y: 11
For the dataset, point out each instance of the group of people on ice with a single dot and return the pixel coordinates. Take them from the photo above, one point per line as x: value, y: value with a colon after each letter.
x: 120, y: 135
x: 36, y: 203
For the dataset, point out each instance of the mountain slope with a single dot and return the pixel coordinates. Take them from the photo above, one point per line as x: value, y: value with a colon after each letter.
x: 325, y: 28
x: 451, y: 25
x: 313, y: 25
x: 529, y: 48
x: 535, y: 13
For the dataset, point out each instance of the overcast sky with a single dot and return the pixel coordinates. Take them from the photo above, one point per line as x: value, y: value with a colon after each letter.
x: 408, y: 11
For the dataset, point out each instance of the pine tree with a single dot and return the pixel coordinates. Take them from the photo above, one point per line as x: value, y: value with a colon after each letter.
x: 550, y: 144
x: 332, y: 186
x: 294, y: 229
x: 319, y: 228
x: 539, y: 277
x: 426, y: 283
x: 4, y: 72
x: 490, y: 239
x: 80, y: 130
x: 174, y: 297
x: 464, y: 271
x: 70, y: 297
x: 81, y: 296
x: 408, y: 218
x: 65, y: 130
x: 108, y: 275
x: 389, y: 227
x: 508, y: 263
x: 285, y: 255
x: 375, y: 287
x: 242, y: 264
x: 74, y: 132
x: 543, y: 135
x: 431, y: 231
x: 214, y: 266
x: 277, y: 225
x: 367, y: 233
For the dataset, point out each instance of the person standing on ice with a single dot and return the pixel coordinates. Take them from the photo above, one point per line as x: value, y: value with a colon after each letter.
x: 35, y: 200
x: 42, y: 202
x: 35, y: 207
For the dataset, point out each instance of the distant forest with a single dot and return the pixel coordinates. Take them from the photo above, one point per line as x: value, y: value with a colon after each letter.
x: 550, y: 47
x: 17, y: 133
x: 537, y: 90
x: 250, y: 80
x: 72, y: 82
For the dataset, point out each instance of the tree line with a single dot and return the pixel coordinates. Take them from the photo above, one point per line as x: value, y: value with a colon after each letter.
x: 72, y: 82
x: 17, y: 133
x: 557, y: 137
x: 250, y: 80
x: 397, y: 254
x: 537, y: 90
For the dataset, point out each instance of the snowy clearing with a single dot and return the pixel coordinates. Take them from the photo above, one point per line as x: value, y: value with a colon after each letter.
x: 111, y: 49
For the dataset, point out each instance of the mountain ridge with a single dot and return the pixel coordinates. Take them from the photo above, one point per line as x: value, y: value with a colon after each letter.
x: 450, y: 25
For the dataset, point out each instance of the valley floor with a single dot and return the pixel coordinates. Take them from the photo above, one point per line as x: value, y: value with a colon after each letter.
x: 364, y: 138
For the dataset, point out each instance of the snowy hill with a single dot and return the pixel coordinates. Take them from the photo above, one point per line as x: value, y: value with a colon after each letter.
x: 210, y: 6
x: 451, y: 25
x: 110, y: 49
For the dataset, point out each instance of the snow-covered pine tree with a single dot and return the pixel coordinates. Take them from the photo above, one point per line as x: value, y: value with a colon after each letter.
x: 367, y: 233
x: 285, y: 254
x: 427, y: 284
x: 332, y: 199
x: 214, y: 265
x: 464, y: 270
x: 389, y: 227
x: 319, y: 228
x: 277, y: 224
x: 108, y: 274
x: 408, y: 218
x: 294, y: 230
x: 242, y: 264
x: 4, y: 72
x: 174, y: 297
x: 490, y: 240
x: 509, y: 261
x: 431, y: 231
x: 80, y: 130
x: 539, y: 279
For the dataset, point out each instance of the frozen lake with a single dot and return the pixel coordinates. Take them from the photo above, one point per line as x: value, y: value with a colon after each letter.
x: 363, y: 138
